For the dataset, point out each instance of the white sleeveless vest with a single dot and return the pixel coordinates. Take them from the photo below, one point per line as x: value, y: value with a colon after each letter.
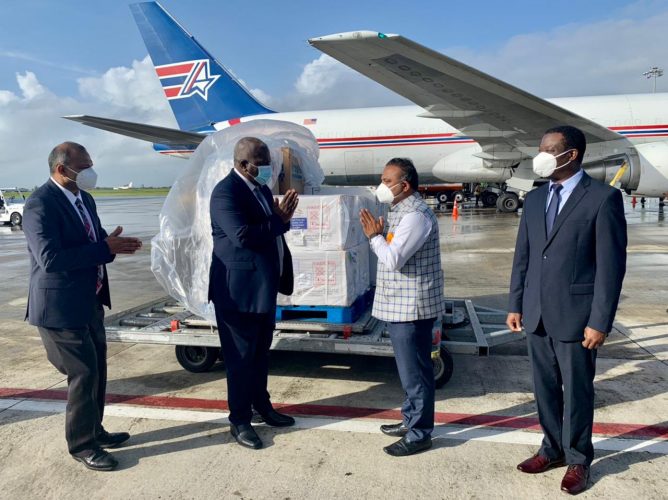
x: 416, y: 290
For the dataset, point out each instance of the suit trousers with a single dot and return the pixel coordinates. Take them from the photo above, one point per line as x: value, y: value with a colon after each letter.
x: 245, y: 339
x: 81, y: 354
x: 563, y: 376
x: 411, y: 342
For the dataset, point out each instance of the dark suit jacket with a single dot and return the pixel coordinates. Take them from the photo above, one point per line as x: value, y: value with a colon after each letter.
x: 63, y: 261
x: 572, y: 279
x: 244, y: 273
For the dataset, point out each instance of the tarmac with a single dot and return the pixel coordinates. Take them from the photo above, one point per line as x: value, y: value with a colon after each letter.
x: 486, y: 417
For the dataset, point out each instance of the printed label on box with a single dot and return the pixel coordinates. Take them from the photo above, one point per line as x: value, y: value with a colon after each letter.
x: 299, y: 223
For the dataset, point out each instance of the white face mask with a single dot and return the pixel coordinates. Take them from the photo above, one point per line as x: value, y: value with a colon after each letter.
x: 86, y: 179
x: 384, y: 194
x: 544, y: 164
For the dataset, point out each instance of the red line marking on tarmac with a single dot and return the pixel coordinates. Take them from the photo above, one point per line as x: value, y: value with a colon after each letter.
x: 618, y: 430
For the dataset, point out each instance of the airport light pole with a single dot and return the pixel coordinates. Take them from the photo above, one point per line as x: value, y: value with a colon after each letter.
x: 654, y: 72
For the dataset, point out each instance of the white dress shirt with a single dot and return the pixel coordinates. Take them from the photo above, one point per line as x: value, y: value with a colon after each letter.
x: 268, y: 211
x: 409, y: 236
x: 72, y: 198
x: 568, y: 187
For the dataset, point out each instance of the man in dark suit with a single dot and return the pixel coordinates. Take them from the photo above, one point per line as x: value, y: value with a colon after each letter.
x: 570, y: 260
x: 250, y: 264
x: 68, y: 286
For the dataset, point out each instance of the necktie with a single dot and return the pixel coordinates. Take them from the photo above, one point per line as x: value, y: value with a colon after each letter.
x: 553, y: 207
x: 91, y: 236
x: 267, y: 210
x: 262, y: 200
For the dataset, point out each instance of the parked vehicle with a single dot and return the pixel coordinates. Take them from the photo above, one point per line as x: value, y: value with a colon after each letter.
x: 11, y: 205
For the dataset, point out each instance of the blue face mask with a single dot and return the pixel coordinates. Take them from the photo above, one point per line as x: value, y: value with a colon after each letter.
x: 264, y: 173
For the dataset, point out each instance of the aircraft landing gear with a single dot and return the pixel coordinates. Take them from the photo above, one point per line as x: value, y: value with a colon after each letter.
x: 508, y: 202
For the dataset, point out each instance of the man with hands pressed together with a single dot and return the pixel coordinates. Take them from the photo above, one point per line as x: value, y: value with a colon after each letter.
x: 250, y: 264
x: 409, y: 297
x: 569, y: 264
x: 69, y: 251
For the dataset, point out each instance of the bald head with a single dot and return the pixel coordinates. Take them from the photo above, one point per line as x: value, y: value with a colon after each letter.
x: 253, y: 150
x: 64, y: 154
x: 249, y: 153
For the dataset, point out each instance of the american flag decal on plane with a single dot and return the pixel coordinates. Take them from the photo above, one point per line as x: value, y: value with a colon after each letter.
x: 185, y: 79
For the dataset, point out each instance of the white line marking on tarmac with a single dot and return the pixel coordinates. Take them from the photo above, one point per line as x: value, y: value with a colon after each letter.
x: 492, y: 435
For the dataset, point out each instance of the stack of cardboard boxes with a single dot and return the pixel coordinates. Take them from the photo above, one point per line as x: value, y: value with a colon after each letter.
x: 330, y: 253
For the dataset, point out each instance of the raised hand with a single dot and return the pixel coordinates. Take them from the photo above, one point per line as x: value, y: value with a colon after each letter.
x: 121, y: 244
x: 370, y: 225
x: 287, y: 206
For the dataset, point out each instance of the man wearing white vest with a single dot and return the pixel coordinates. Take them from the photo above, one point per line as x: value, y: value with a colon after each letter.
x: 409, y: 297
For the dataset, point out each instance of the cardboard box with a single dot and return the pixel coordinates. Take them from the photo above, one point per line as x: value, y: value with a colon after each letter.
x: 291, y: 176
x: 327, y: 223
x: 328, y: 277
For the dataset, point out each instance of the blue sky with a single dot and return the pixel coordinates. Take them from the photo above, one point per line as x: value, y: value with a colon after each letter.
x: 75, y: 56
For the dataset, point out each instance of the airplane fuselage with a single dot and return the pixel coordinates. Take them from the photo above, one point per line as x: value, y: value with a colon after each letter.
x: 355, y: 144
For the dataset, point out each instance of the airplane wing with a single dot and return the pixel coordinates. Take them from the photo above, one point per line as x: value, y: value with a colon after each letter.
x: 151, y: 133
x: 500, y: 117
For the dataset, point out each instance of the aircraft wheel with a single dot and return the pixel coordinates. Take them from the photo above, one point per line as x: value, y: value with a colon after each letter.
x: 508, y: 202
x: 16, y: 219
x: 443, y: 367
x: 196, y: 359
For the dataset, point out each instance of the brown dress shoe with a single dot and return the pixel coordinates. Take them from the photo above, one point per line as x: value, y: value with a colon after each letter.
x: 539, y: 463
x: 575, y: 479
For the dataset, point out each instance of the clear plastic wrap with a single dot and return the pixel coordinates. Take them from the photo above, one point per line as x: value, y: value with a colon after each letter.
x: 328, y: 222
x: 181, y: 251
x: 328, y: 277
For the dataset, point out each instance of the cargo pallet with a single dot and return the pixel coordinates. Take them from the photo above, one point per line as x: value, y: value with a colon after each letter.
x: 466, y: 329
x: 326, y: 314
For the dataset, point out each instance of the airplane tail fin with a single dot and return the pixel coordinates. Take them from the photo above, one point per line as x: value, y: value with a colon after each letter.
x: 200, y: 90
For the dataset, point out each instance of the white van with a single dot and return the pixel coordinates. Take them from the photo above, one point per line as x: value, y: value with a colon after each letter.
x: 11, y: 206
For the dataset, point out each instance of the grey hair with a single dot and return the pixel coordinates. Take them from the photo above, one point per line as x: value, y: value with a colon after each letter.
x: 62, y: 154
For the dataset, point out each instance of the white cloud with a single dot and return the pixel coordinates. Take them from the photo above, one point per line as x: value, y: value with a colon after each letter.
x: 33, y: 119
x: 606, y: 57
x: 29, y: 86
x: 324, y: 83
x: 6, y: 97
x: 129, y: 88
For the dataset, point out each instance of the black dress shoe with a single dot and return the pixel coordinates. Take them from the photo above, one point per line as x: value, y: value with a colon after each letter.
x: 98, y: 460
x: 395, y: 430
x: 403, y: 447
x: 275, y: 419
x: 246, y: 436
x: 112, y: 439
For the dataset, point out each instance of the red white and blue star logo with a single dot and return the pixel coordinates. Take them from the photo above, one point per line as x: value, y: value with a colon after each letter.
x: 185, y: 79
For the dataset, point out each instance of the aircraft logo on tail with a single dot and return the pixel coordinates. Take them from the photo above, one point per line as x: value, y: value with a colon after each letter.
x: 187, y: 78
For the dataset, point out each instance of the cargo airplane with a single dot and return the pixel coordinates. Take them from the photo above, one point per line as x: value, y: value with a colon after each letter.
x: 464, y: 126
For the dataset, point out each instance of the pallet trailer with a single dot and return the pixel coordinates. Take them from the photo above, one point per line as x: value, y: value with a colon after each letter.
x: 467, y: 328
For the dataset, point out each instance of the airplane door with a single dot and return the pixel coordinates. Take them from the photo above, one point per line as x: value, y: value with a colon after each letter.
x: 360, y: 168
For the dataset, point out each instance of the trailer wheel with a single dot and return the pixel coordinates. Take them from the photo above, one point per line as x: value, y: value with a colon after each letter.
x: 196, y: 359
x: 442, y: 197
x: 489, y: 199
x: 443, y: 367
x: 16, y: 219
x: 458, y: 196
